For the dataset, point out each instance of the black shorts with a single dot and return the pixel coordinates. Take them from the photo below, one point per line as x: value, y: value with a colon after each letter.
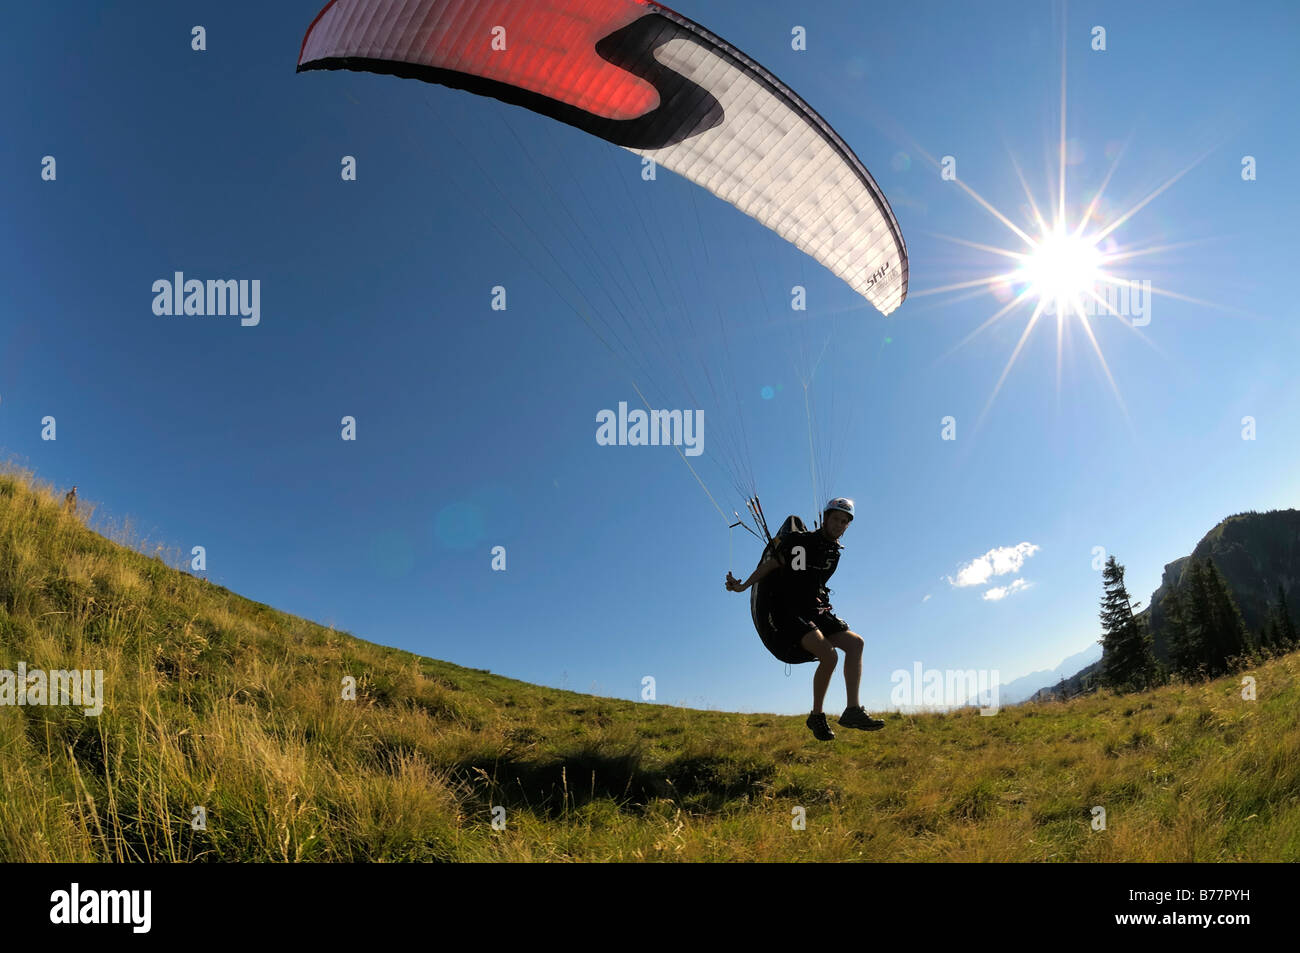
x: 790, y: 627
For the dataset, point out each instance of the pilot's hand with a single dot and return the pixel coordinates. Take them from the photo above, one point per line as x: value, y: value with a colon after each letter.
x: 734, y: 584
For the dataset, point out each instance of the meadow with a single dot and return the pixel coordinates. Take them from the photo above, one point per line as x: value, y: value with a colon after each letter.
x: 227, y: 734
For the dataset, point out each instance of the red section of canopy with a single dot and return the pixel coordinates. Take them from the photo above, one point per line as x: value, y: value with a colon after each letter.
x: 550, y: 45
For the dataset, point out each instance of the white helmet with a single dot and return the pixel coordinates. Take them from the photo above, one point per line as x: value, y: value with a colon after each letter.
x: 840, y: 503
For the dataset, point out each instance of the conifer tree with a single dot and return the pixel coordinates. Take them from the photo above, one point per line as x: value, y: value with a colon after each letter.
x: 1187, y: 612
x: 1178, y: 642
x: 1268, y: 633
x: 1228, y: 640
x: 1288, y: 638
x: 1127, y: 660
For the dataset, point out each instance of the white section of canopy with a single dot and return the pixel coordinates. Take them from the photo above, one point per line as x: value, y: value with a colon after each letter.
x: 776, y: 166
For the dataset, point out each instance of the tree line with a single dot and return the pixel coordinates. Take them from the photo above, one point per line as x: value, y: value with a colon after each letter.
x: 1206, y: 635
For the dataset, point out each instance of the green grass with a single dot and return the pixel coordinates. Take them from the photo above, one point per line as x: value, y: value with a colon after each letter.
x: 220, y: 702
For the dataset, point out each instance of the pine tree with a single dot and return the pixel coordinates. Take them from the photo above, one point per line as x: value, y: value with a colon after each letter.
x: 1177, y: 637
x: 1186, y: 613
x: 1287, y: 634
x: 1269, y: 634
x: 1127, y: 659
x: 1277, y: 635
x: 1228, y: 640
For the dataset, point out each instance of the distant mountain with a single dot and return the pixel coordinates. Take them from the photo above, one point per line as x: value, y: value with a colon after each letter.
x: 1081, y: 682
x: 1255, y: 552
x: 1026, y: 686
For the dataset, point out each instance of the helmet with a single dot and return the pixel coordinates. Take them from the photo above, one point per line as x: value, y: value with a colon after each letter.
x: 840, y: 503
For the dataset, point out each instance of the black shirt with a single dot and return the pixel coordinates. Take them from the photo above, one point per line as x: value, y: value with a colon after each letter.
x: 804, y: 588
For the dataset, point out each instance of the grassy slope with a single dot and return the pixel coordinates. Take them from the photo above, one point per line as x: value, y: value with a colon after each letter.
x: 218, y: 701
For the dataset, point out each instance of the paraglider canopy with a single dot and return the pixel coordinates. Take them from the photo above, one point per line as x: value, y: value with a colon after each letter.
x: 656, y: 83
x: 653, y: 82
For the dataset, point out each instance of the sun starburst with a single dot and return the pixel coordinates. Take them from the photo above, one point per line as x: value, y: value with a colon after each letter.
x: 1064, y: 268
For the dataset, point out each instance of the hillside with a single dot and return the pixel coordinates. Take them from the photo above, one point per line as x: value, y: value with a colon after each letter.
x: 1255, y: 552
x: 215, y: 701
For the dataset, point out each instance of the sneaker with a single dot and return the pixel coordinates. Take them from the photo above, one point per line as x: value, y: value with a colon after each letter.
x: 817, y: 722
x: 858, y: 718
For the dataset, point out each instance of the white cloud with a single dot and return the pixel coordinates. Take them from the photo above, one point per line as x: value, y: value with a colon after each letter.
x: 1001, y: 592
x: 996, y: 562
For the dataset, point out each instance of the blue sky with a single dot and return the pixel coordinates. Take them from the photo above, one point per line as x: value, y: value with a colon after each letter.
x: 476, y: 428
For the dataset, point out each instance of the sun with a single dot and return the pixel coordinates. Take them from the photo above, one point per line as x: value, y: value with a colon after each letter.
x: 1061, y: 271
x: 1061, y: 274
